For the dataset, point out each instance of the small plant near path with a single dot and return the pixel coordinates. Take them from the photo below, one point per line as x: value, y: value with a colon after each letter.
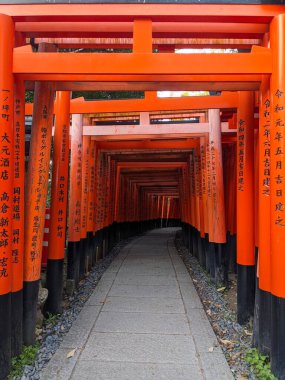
x: 259, y: 365
x: 51, y: 319
x: 27, y: 357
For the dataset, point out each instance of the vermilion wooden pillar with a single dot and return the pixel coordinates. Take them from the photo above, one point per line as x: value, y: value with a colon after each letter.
x: 277, y: 183
x: 6, y: 189
x: 84, y: 206
x: 90, y: 208
x: 59, y: 201
x: 98, y: 205
x: 208, y: 247
x: 35, y: 200
x: 18, y: 218
x: 74, y: 220
x: 204, y: 184
x: 217, y: 232
x: 193, y: 244
x: 262, y: 313
x: 245, y: 207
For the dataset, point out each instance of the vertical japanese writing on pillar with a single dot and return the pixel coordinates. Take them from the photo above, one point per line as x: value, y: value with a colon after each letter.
x: 213, y: 172
x: 266, y: 148
x: 42, y: 182
x: 99, y: 188
x: 208, y: 167
x: 77, y: 221
x: 61, y: 189
x: 240, y: 148
x: 101, y: 191
x: 91, y: 184
x: 17, y: 191
x: 192, y: 175
x: 6, y: 165
x: 203, y: 168
x: 85, y: 186
x: 278, y: 127
x: 196, y: 173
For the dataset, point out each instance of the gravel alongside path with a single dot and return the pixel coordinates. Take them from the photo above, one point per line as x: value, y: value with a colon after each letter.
x: 234, y: 339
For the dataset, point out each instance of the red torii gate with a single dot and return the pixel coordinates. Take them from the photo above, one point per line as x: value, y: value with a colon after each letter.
x: 241, y: 71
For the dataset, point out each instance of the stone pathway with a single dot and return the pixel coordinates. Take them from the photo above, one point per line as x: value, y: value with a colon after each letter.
x: 144, y: 321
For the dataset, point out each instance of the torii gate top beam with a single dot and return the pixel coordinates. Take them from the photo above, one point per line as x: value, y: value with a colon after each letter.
x: 124, y: 30
x: 155, y: 12
x: 150, y: 103
x: 43, y: 66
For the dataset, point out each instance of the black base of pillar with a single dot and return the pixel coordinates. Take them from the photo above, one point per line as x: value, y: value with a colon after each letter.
x: 54, y: 286
x: 201, y: 250
x: 94, y: 248
x: 256, y: 316
x: 185, y: 234
x: 105, y: 241
x: 207, y: 253
x: 194, y: 242
x: 30, y: 301
x: 227, y: 253
x: 245, y: 292
x: 190, y: 240
x: 111, y: 237
x: 264, y: 343
x: 187, y: 237
x: 5, y: 335
x: 278, y: 337
x: 89, y: 245
x: 99, y: 245
x: 233, y: 254
x: 82, y: 259
x: 211, y: 259
x: 117, y: 232
x: 16, y: 323
x: 73, y: 258
x: 214, y: 261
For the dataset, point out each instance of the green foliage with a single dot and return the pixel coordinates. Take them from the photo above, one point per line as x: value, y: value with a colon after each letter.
x: 51, y: 319
x: 29, y: 95
x: 259, y: 365
x: 108, y: 95
x: 27, y: 357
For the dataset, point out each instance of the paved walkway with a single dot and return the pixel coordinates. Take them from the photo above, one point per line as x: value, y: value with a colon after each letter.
x: 144, y: 321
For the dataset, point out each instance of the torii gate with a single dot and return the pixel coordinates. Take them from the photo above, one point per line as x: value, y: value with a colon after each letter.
x: 242, y: 71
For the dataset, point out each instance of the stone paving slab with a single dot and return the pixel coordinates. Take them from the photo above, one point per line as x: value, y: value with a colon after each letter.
x: 85, y: 370
x: 190, y: 297
x: 142, y: 348
x: 139, y: 270
x: 60, y: 367
x: 78, y: 334
x: 215, y: 366
x: 201, y: 327
x: 144, y: 321
x: 100, y: 293
x: 131, y: 279
x: 109, y: 321
x: 146, y: 291
x: 144, y: 305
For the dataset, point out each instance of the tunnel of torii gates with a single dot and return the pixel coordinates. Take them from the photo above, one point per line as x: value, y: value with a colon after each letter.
x: 213, y: 164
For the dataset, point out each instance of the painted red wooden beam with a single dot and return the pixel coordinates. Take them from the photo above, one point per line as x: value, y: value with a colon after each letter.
x: 156, y: 12
x: 150, y: 103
